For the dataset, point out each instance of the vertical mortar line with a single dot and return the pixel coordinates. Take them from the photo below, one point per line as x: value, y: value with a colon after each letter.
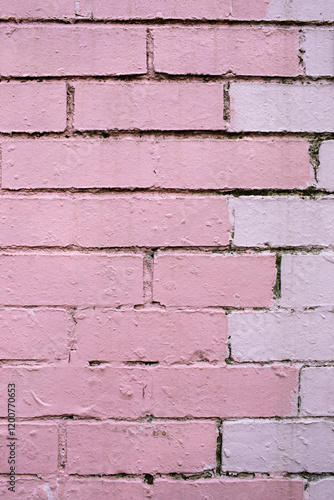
x: 226, y: 102
x: 150, y: 54
x: 219, y: 447
x: 0, y: 167
x: 71, y: 333
x: 314, y: 149
x: 299, y: 387
x: 148, y: 262
x: 69, y: 109
x: 301, y: 51
x: 62, y: 445
x: 277, y: 289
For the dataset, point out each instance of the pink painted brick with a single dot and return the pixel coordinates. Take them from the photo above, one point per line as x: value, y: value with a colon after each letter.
x: 170, y: 163
x: 228, y: 489
x: 36, y: 449
x: 278, y: 446
x: 326, y: 167
x: 32, y: 106
x: 51, y: 50
x: 318, y: 45
x: 31, y: 488
x: 120, y: 489
x: 70, y: 279
x: 115, y: 222
x: 278, y: 335
x: 294, y: 10
x: 136, y: 448
x: 275, y: 107
x: 37, y: 9
x: 317, y: 391
x: 320, y: 490
x: 213, y: 51
x: 147, y: 105
x: 162, y: 9
x: 34, y: 333
x: 282, y: 221
x: 174, y: 392
x: 214, y: 280
x: 150, y: 335
x: 307, y: 280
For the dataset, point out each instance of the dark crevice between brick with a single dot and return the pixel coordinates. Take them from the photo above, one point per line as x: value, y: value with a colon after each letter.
x: 277, y: 285
x: 227, y: 102
x: 314, y: 147
x: 219, y: 448
x: 150, y: 54
x: 69, y: 109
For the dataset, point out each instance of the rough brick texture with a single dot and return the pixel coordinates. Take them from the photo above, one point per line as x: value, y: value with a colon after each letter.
x: 166, y: 249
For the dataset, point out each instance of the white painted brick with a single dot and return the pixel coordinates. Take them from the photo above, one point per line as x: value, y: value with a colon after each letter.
x: 283, y: 221
x: 282, y: 107
x: 326, y: 167
x: 320, y: 490
x: 307, y: 280
x: 279, y: 335
x: 278, y: 446
x: 318, y: 45
x: 317, y: 390
x: 301, y: 10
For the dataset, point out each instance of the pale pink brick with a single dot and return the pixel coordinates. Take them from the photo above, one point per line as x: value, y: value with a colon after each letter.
x: 150, y: 335
x: 36, y: 449
x: 317, y: 391
x: 37, y: 9
x: 32, y: 106
x: 70, y: 279
x: 294, y: 10
x: 275, y: 107
x: 326, y: 167
x: 120, y: 489
x: 114, y: 222
x: 308, y: 280
x: 228, y: 489
x: 30, y: 488
x: 240, y: 50
x: 214, y: 280
x: 145, y: 9
x: 320, y: 490
x: 283, y: 221
x: 278, y: 335
x: 174, y: 392
x: 318, y: 45
x: 278, y: 446
x: 147, y: 105
x: 170, y: 163
x: 137, y: 448
x: 34, y: 333
x: 51, y: 50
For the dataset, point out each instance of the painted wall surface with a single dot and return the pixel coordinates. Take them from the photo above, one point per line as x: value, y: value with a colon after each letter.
x: 167, y: 249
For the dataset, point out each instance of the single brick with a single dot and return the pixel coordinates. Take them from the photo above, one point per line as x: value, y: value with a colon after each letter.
x: 161, y: 9
x: 147, y: 105
x: 36, y: 447
x: 214, y: 280
x: 166, y: 336
x: 228, y: 489
x: 326, y: 167
x: 272, y: 446
x: 120, y: 489
x: 320, y: 490
x: 213, y: 51
x: 34, y: 333
x: 293, y: 10
x: 308, y: 280
x: 282, y: 107
x: 70, y: 279
x: 51, y: 50
x: 171, y: 163
x: 32, y: 106
x: 318, y: 45
x: 137, y: 448
x: 37, y: 9
x: 173, y: 392
x: 317, y: 391
x: 280, y: 335
x: 282, y: 221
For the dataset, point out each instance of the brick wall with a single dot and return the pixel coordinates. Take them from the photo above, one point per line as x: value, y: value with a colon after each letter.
x: 166, y: 263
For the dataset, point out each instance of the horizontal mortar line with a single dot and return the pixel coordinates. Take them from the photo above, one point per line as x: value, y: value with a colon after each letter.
x: 158, y: 21
x: 147, y: 419
x: 167, y: 134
